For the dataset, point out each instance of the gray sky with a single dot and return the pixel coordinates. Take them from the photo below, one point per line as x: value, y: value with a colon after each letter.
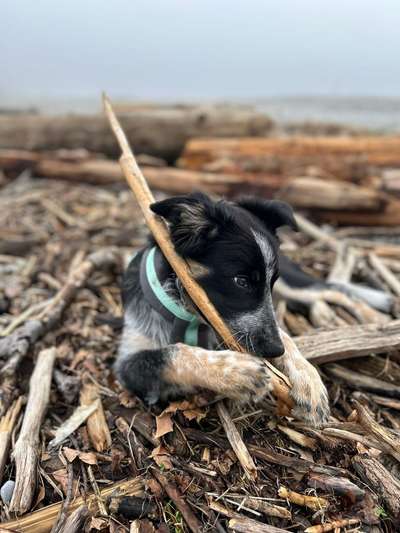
x: 198, y: 49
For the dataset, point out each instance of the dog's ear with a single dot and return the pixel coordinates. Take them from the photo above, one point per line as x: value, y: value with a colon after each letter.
x: 193, y: 221
x: 272, y: 213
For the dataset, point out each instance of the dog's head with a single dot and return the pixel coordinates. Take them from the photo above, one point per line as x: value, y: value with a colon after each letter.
x: 233, y: 252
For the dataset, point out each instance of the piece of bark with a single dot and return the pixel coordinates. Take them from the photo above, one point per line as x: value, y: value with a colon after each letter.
x: 236, y: 442
x: 360, y: 381
x: 130, y: 507
x: 26, y: 450
x: 315, y: 503
x: 373, y: 473
x: 42, y: 520
x: 379, y: 432
x: 350, y: 341
x: 7, y: 424
x: 98, y: 430
x: 173, y: 492
x: 75, y: 521
x: 339, y: 486
x: 244, y: 525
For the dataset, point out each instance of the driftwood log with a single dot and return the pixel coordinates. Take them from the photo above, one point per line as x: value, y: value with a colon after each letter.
x: 354, y: 159
x: 154, y: 130
x: 328, y: 198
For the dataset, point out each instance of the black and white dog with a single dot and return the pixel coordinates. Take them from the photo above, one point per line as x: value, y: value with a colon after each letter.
x: 167, y: 348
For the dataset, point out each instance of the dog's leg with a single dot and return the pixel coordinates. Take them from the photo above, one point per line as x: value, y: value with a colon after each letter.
x: 308, y: 391
x: 156, y: 374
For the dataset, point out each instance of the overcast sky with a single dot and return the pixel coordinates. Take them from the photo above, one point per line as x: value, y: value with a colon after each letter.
x: 199, y: 49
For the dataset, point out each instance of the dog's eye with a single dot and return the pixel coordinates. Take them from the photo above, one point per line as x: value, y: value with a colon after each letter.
x: 242, y: 282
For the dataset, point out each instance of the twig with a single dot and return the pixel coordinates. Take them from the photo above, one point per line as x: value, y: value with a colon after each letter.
x: 26, y: 450
x: 330, y: 526
x: 360, y: 381
x: 385, y: 273
x: 97, y: 493
x: 244, y: 525
x: 314, y: 231
x: 236, y: 442
x: 312, y: 502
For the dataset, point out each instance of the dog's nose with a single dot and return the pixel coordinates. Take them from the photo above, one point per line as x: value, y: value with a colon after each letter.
x: 275, y: 349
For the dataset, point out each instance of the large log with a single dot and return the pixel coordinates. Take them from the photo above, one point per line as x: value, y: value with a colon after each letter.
x: 329, y: 200
x: 313, y: 193
x: 160, y: 131
x: 90, y: 168
x: 351, y: 158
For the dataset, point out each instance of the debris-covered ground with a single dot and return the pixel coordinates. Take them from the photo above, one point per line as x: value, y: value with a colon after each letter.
x: 118, y: 466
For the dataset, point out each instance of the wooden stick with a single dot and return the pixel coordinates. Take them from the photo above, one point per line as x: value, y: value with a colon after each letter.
x: 244, y: 525
x: 41, y: 521
x: 236, y: 442
x: 385, y: 273
x: 312, y: 502
x: 360, y: 381
x: 138, y: 184
x: 7, y: 424
x: 330, y: 526
x: 26, y: 451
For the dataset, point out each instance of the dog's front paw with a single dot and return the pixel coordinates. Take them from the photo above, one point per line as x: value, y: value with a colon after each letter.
x: 309, y: 394
x: 247, y: 380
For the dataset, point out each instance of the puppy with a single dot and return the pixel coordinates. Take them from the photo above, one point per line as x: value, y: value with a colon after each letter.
x: 167, y: 347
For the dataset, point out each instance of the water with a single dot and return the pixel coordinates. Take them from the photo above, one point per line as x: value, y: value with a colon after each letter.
x: 374, y: 113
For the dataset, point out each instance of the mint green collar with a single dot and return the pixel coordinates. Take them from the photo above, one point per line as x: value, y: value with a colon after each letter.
x: 186, y: 325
